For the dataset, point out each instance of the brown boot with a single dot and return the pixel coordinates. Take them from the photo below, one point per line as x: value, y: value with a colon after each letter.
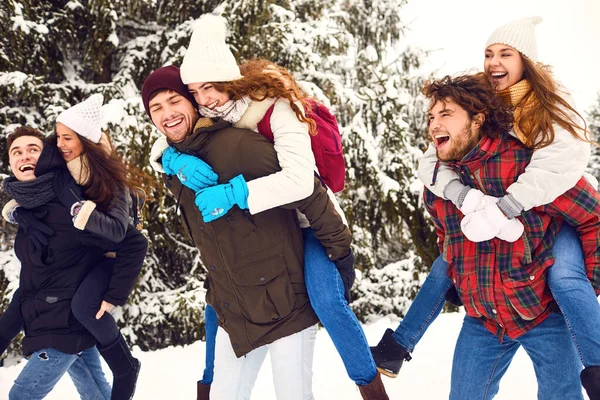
x: 203, y: 391
x: 374, y: 390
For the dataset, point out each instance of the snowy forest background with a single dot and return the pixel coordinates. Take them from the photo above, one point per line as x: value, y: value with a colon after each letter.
x: 349, y: 54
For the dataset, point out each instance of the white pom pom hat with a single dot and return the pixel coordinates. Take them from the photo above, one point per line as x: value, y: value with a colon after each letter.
x: 208, y: 58
x: 85, y: 118
x: 519, y: 34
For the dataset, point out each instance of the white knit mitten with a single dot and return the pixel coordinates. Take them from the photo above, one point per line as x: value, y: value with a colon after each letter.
x: 476, y: 228
x: 490, y: 222
x: 474, y: 201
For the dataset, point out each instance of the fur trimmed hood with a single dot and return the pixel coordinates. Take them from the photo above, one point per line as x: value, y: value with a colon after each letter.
x: 254, y: 114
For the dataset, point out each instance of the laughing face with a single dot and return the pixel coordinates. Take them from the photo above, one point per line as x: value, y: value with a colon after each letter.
x: 453, y: 132
x: 68, y: 142
x: 173, y: 115
x: 206, y: 95
x: 504, y: 65
x: 23, y: 155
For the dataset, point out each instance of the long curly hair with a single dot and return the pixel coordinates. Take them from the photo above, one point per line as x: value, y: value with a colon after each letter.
x: 263, y: 79
x: 476, y: 95
x: 543, y: 106
x: 108, y: 174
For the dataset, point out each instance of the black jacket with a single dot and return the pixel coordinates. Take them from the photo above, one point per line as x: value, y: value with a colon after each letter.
x: 48, y: 282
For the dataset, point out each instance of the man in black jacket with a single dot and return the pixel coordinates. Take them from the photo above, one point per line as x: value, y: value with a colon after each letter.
x: 52, y: 267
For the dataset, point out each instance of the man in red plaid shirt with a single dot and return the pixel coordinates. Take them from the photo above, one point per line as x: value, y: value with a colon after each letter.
x: 503, y: 284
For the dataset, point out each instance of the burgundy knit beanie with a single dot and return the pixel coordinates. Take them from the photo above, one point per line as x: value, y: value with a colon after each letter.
x: 164, y: 78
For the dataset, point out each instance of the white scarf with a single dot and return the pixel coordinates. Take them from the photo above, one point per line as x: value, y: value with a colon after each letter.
x: 231, y: 111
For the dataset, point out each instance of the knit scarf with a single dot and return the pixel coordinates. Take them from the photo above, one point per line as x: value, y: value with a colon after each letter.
x: 513, y: 96
x: 31, y: 194
x: 80, y: 170
x: 231, y: 111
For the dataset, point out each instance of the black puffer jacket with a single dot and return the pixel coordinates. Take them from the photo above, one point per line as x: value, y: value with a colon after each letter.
x: 47, y: 286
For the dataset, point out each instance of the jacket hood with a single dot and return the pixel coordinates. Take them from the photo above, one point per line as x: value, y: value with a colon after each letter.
x: 49, y: 158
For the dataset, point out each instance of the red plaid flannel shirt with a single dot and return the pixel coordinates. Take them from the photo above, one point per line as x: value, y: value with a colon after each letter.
x: 504, y: 284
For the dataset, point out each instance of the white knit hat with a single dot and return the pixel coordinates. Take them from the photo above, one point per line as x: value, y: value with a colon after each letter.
x: 208, y: 58
x: 85, y: 118
x: 519, y: 34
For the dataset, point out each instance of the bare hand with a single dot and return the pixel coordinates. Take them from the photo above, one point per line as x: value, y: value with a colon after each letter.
x: 104, y: 307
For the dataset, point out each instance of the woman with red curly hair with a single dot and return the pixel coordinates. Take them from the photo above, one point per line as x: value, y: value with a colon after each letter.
x: 242, y: 95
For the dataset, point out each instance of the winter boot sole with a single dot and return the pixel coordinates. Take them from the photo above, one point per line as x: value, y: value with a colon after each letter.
x: 386, y: 372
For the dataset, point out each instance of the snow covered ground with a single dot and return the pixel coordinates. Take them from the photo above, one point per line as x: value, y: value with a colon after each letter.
x: 172, y: 373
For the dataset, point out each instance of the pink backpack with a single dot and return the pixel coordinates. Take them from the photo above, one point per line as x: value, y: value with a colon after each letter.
x: 326, y: 144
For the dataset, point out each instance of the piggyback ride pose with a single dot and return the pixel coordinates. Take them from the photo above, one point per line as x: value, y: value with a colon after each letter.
x: 243, y: 95
x: 546, y: 122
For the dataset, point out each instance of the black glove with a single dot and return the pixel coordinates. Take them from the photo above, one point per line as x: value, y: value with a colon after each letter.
x: 453, y: 297
x: 66, y: 189
x: 345, y: 267
x: 37, y: 232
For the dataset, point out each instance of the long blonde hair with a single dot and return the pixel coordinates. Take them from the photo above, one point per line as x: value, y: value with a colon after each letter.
x: 543, y: 106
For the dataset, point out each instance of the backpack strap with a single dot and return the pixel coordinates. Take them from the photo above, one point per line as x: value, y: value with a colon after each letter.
x: 264, y: 125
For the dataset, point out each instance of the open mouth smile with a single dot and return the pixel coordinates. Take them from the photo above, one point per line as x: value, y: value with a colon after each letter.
x: 174, y: 123
x: 498, y: 75
x: 440, y: 139
x: 26, y: 167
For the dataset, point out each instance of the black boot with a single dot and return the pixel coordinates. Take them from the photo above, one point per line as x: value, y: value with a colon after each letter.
x: 590, y: 379
x: 389, y: 355
x: 124, y: 366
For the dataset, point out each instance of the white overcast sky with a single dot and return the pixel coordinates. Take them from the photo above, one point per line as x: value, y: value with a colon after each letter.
x: 568, y: 38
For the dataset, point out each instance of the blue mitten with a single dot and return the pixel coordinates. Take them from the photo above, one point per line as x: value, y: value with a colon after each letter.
x: 216, y: 201
x: 191, y: 171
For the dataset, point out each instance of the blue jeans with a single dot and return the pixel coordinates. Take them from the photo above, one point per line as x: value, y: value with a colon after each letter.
x: 326, y: 294
x: 575, y: 295
x: 480, y: 360
x: 426, y: 307
x: 568, y: 283
x: 45, y: 367
x: 210, y: 318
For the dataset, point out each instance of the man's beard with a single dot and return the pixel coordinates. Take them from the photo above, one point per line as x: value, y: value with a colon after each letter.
x: 460, y: 147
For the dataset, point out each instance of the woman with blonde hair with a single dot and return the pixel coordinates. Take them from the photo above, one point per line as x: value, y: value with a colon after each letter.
x: 546, y: 122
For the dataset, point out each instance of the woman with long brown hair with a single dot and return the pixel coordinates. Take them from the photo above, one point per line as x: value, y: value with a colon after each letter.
x: 102, y: 200
x: 107, y: 209
x: 244, y: 95
x: 545, y: 121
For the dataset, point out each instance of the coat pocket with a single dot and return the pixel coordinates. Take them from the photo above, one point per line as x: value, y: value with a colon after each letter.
x: 51, y: 310
x: 240, y: 222
x: 265, y: 289
x: 466, y: 285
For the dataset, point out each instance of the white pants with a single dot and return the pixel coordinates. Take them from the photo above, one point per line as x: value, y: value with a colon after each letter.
x: 291, y: 362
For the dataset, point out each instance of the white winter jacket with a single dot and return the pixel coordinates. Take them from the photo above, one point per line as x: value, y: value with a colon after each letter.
x: 292, y: 143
